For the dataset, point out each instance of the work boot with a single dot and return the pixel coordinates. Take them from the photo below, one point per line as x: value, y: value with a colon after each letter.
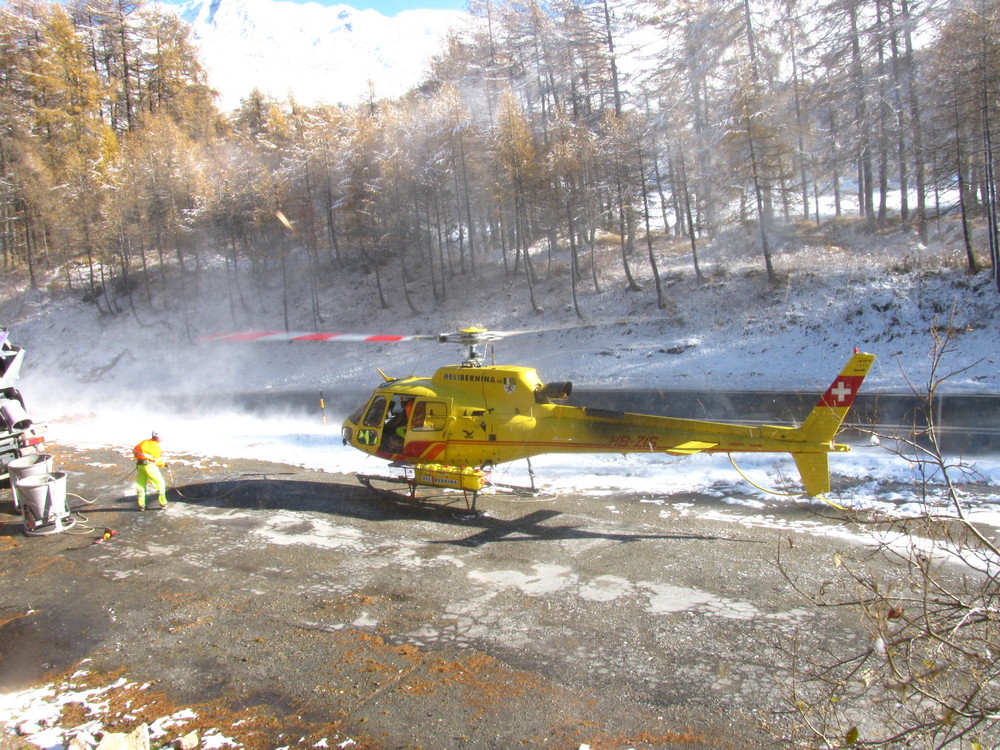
x: 142, y: 506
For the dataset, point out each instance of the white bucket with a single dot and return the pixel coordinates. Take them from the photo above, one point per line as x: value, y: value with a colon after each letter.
x: 43, y: 503
x: 26, y: 466
x: 14, y: 414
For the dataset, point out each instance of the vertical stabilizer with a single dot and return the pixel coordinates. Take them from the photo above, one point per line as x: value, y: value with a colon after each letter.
x: 814, y: 468
x: 824, y: 421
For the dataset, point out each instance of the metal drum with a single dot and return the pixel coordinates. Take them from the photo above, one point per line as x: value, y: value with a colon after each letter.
x: 43, y: 504
x: 26, y: 466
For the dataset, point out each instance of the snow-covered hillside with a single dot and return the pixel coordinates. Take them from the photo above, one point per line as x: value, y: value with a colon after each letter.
x: 838, y: 290
x: 314, y: 52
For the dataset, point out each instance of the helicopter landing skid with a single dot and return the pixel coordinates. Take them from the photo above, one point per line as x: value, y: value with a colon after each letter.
x: 409, y: 497
x: 515, y: 489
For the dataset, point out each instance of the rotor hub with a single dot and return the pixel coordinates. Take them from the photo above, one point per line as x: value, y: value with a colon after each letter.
x: 473, y: 338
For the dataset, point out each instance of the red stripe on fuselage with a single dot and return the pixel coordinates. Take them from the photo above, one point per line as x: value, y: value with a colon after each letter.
x: 427, y: 450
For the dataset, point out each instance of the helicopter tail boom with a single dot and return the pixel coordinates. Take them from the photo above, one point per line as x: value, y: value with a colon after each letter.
x: 809, y: 444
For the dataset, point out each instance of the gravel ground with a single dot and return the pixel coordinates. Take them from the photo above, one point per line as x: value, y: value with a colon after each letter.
x: 290, y: 608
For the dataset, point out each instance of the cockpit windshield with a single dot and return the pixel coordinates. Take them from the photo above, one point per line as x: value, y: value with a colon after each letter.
x: 355, y: 417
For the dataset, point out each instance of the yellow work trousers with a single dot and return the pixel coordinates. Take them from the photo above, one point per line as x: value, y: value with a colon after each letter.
x: 149, y: 474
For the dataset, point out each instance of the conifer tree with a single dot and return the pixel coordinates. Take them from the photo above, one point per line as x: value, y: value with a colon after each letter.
x: 516, y: 157
x: 66, y: 114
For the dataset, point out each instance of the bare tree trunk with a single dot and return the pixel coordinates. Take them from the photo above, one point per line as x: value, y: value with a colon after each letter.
x: 970, y: 254
x: 915, y: 125
x: 761, y: 214
x: 866, y: 204
x: 661, y: 301
x: 897, y: 98
x: 521, y: 244
x: 468, y: 206
x: 991, y: 191
x: 406, y: 288
x: 799, y: 130
x: 429, y: 247
x: 612, y: 60
x: 574, y: 260
x: 883, y: 115
x: 623, y: 232
x: 690, y: 220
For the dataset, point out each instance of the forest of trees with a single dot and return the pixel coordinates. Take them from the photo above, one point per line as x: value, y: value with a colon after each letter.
x: 550, y: 123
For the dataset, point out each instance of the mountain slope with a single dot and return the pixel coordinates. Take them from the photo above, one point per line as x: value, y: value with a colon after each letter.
x: 317, y: 53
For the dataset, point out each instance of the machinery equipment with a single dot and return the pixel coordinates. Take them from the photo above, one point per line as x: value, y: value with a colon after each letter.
x: 19, y: 436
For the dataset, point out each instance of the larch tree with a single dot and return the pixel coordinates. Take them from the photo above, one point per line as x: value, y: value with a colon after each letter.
x: 622, y: 170
x: 517, y: 158
x: 362, y: 188
x: 25, y: 198
x: 966, y: 63
x: 173, y: 79
x: 66, y: 108
x: 572, y: 150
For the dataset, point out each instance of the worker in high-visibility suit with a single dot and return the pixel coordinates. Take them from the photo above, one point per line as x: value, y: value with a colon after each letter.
x: 149, y: 461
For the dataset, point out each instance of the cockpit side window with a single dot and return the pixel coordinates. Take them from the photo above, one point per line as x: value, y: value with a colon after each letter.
x: 375, y: 413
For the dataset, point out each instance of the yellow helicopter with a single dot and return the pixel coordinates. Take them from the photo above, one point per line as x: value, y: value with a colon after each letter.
x: 450, y: 429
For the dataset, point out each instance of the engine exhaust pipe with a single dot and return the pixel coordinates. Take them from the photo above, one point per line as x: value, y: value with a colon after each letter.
x: 553, y: 392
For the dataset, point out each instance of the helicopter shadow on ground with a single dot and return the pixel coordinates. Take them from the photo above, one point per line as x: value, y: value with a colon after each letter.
x: 264, y: 492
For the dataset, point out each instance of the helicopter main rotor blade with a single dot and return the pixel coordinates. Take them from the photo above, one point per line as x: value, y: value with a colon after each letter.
x: 269, y: 336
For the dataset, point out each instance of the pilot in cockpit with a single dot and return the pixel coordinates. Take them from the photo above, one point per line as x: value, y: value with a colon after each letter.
x: 394, y: 432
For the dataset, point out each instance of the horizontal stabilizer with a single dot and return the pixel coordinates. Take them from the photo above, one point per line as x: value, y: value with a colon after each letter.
x: 690, y: 447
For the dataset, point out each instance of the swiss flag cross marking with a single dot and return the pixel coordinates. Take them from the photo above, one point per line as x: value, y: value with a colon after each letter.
x: 841, y: 390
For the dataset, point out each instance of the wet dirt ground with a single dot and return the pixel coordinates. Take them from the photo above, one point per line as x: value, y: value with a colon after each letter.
x: 289, y: 608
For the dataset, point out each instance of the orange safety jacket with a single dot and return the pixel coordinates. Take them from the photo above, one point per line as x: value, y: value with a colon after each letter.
x: 148, y: 450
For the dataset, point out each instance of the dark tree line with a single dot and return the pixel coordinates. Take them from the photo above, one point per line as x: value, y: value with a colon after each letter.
x: 542, y: 131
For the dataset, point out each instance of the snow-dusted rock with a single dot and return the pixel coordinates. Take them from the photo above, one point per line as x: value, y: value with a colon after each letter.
x: 137, y: 739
